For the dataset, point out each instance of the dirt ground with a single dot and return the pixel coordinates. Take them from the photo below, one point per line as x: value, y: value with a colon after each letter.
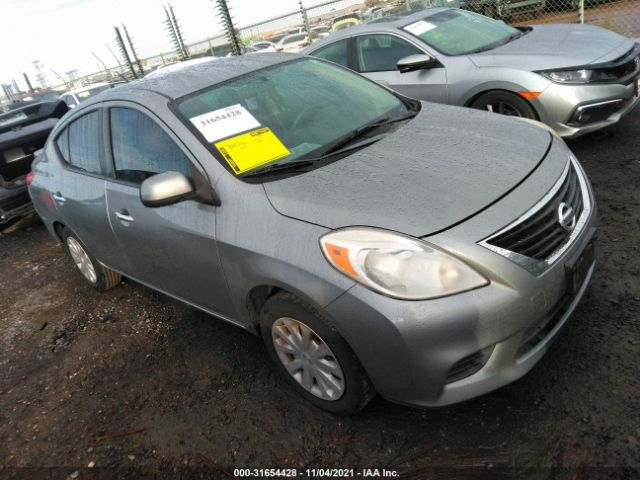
x: 137, y: 385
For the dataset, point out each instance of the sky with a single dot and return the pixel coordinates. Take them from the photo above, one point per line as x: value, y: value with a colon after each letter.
x: 62, y: 33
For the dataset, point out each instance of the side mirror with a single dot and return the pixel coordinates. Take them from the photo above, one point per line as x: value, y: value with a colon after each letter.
x: 416, y: 62
x: 165, y: 189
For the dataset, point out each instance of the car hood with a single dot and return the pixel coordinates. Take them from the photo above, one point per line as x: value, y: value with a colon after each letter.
x: 442, y: 167
x: 557, y: 46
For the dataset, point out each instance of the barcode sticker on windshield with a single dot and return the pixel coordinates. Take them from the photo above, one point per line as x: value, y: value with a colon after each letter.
x: 419, y: 28
x: 252, y: 149
x: 225, y: 122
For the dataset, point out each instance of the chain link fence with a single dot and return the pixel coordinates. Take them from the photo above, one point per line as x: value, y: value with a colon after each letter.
x: 323, y: 16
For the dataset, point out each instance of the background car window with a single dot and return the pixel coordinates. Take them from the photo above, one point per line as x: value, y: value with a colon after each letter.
x: 336, y: 52
x: 79, y: 143
x: 141, y: 148
x: 377, y: 53
x: 458, y: 32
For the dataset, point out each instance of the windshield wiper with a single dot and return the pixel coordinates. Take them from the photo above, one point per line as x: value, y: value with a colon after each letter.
x: 362, y: 131
x: 499, y: 43
x: 279, y: 167
x: 338, y: 148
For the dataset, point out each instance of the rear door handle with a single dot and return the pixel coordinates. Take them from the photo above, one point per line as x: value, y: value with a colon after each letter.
x: 124, y: 216
x: 59, y: 198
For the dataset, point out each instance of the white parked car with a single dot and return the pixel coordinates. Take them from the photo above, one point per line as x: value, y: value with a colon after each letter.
x: 262, y: 46
x: 296, y: 42
x: 173, y: 67
x: 76, y: 96
x: 322, y: 31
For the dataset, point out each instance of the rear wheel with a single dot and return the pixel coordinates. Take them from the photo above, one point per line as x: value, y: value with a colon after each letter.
x: 504, y: 103
x: 313, y: 356
x: 95, y: 274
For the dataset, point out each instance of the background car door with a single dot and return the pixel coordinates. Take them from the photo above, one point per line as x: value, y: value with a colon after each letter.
x: 79, y: 191
x: 171, y: 248
x: 376, y: 56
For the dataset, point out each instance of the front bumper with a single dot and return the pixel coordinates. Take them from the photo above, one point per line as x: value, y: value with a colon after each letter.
x: 447, y: 350
x: 410, y: 349
x: 560, y: 106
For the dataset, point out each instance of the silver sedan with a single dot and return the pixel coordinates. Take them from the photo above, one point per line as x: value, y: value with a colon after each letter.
x: 574, y: 78
x: 377, y: 244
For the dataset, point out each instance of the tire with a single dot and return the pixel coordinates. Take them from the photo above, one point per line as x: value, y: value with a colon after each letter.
x: 284, y: 315
x: 505, y: 103
x: 102, y: 279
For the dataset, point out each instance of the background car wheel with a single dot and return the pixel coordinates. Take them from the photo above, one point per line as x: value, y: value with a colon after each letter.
x: 504, y: 103
x: 313, y: 356
x: 95, y: 274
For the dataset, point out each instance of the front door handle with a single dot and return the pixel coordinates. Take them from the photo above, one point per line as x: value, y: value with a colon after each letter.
x: 59, y: 198
x: 124, y: 216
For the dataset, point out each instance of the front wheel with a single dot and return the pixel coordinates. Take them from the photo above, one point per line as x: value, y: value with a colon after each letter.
x: 313, y: 356
x: 504, y: 103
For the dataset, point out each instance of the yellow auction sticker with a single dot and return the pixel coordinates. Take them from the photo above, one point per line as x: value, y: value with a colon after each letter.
x: 252, y: 149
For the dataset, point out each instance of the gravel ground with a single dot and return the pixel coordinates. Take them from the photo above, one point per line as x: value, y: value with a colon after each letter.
x: 134, y: 384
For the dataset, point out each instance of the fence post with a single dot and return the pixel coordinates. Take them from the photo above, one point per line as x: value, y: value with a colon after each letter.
x: 305, y: 21
x: 581, y: 11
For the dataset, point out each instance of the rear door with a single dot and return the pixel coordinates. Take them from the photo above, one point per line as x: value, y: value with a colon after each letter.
x: 170, y: 248
x: 376, y: 57
x: 78, y: 188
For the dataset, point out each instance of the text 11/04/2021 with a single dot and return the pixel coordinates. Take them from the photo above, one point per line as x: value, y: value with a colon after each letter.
x: 315, y: 473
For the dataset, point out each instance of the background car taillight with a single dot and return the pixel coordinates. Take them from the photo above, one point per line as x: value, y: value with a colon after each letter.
x: 29, y: 178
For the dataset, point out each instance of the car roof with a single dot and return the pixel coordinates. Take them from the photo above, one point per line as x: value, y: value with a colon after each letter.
x: 389, y: 23
x: 175, y: 84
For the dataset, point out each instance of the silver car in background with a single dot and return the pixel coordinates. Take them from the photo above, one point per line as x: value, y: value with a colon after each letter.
x: 378, y: 244
x: 574, y: 78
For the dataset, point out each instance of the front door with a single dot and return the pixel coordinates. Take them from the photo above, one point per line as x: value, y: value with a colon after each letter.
x: 171, y: 248
x: 376, y: 57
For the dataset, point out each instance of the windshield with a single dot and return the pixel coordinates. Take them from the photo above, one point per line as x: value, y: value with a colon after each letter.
x: 458, y: 32
x: 286, y: 112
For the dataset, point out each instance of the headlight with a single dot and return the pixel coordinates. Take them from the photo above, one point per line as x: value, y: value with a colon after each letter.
x: 396, y: 265
x: 582, y: 75
x: 569, y: 76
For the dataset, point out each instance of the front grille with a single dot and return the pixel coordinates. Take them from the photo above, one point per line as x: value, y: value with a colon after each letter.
x: 539, y: 235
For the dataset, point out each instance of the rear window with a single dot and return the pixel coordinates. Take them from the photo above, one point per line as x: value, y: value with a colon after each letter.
x: 79, y: 143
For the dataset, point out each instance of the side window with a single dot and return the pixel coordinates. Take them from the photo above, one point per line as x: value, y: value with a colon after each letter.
x: 141, y: 148
x: 378, y: 53
x: 336, y: 52
x: 63, y: 144
x: 79, y: 143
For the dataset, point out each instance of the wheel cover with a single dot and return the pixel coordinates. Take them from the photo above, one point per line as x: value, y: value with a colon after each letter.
x: 82, y: 260
x: 308, y: 359
x: 503, y: 108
